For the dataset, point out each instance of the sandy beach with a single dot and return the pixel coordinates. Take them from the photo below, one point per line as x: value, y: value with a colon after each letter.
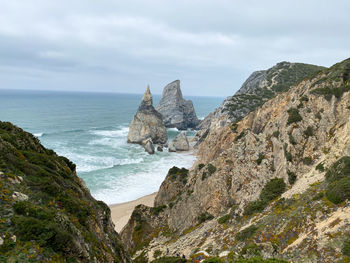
x: 122, y: 212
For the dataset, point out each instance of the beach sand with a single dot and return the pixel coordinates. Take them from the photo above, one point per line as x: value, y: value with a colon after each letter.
x: 122, y: 212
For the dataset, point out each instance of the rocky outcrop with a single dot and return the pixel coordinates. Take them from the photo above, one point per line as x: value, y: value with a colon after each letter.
x: 177, y: 112
x: 289, y: 145
x: 260, y: 87
x: 47, y: 213
x: 148, y: 146
x: 179, y: 143
x: 147, y: 123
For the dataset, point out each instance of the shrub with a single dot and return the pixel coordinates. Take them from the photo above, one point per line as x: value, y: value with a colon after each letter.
x: 276, y: 134
x: 201, y: 166
x: 287, y: 154
x: 158, y: 209
x: 339, y: 169
x: 157, y: 253
x: 240, y: 136
x: 291, y: 177
x: 338, y: 191
x: 307, y: 160
x: 211, y: 169
x: 213, y: 260
x: 318, y: 115
x: 292, y: 139
x: 224, y: 219
x: 320, y: 167
x: 176, y: 173
x: 274, y: 188
x: 251, y: 249
x: 204, y: 217
x: 293, y: 116
x: 328, y: 92
x: 309, y: 132
x: 346, y: 248
x: 169, y: 260
x: 246, y: 233
x: 260, y: 260
x: 260, y: 158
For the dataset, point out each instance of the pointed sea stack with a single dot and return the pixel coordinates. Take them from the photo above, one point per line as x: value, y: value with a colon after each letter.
x: 147, y: 123
x: 176, y: 112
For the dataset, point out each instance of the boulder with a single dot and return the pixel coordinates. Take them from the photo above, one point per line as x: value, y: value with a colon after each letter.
x: 147, y: 123
x: 177, y: 112
x: 180, y: 143
x: 160, y: 148
x: 148, y: 146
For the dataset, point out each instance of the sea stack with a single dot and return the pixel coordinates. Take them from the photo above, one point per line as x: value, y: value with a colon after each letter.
x: 147, y: 123
x: 177, y: 112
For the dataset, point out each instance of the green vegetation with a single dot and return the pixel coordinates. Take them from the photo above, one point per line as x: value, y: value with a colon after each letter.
x: 213, y: 260
x: 251, y: 249
x: 260, y: 158
x: 307, y: 160
x: 240, y: 136
x: 329, y: 91
x: 338, y: 178
x: 346, y: 248
x: 224, y: 219
x: 287, y: 154
x: 176, y: 173
x: 59, y: 213
x: 211, y: 169
x: 260, y: 260
x: 320, y: 167
x: 201, y: 166
x: 309, y: 132
x: 276, y: 134
x: 157, y: 253
x: 246, y: 233
x: 292, y: 139
x: 273, y: 189
x: 157, y: 210
x: 168, y: 260
x: 291, y: 177
x: 293, y: 116
x: 204, y: 217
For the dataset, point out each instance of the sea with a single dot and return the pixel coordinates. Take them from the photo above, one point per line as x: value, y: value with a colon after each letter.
x: 91, y: 130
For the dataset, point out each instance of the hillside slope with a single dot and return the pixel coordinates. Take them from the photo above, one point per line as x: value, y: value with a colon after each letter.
x: 46, y: 212
x: 275, y: 184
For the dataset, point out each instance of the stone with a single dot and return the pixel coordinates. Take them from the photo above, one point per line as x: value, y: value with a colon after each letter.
x: 177, y: 112
x: 148, y: 146
x: 160, y: 148
x: 1, y: 241
x: 147, y: 123
x: 180, y: 143
x: 19, y: 196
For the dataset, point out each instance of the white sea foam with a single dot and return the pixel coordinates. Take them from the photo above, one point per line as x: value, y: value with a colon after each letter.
x: 111, y: 142
x: 122, y: 132
x: 134, y: 184
x: 38, y: 134
x: 173, y: 129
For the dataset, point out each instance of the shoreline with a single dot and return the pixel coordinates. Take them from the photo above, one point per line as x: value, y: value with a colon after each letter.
x: 121, y: 212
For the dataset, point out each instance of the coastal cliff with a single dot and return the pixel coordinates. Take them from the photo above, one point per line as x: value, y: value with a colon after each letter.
x: 47, y: 214
x: 176, y: 111
x: 274, y: 184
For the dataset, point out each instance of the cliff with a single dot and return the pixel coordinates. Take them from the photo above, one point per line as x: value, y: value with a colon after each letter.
x: 177, y: 112
x: 273, y: 185
x: 46, y: 212
x: 258, y: 88
x: 147, y: 123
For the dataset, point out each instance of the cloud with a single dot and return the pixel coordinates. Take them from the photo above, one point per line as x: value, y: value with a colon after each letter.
x: 210, y: 45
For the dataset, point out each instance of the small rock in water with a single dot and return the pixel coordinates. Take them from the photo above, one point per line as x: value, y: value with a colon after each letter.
x: 148, y: 146
x: 180, y: 143
x: 160, y: 148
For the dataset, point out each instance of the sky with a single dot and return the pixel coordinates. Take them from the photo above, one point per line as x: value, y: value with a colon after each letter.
x: 212, y: 46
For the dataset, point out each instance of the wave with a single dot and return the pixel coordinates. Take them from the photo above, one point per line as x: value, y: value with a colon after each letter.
x: 173, y: 129
x: 38, y: 134
x: 112, y: 133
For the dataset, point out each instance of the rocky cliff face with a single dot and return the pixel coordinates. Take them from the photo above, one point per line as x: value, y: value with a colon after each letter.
x: 258, y: 88
x: 47, y: 213
x: 275, y: 184
x: 176, y: 111
x: 147, y: 123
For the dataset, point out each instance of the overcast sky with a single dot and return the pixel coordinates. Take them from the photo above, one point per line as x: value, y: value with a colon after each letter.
x: 121, y: 46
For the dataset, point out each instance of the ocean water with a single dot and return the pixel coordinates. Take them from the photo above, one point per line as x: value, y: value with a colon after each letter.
x: 91, y: 130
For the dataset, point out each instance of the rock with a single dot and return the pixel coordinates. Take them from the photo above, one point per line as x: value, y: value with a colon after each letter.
x: 19, y: 196
x: 1, y: 241
x: 160, y: 148
x: 148, y: 146
x: 147, y: 123
x: 177, y: 112
x: 180, y: 143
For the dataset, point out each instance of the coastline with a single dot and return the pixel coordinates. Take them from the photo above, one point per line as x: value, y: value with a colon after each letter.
x: 121, y: 213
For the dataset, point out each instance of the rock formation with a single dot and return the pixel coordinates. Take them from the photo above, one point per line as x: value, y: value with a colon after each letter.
x: 179, y: 143
x: 274, y: 184
x: 148, y: 145
x: 147, y: 123
x: 177, y: 112
x: 47, y: 213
